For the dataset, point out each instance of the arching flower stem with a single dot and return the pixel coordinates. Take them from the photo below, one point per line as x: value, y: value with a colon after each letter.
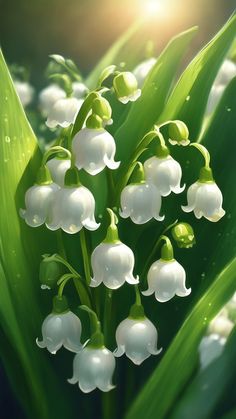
x: 205, y: 172
x: 85, y: 254
x: 97, y: 339
x: 155, y: 248
x: 56, y: 150
x: 83, y: 112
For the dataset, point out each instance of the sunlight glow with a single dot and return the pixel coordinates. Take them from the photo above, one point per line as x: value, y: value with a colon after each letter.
x: 154, y: 6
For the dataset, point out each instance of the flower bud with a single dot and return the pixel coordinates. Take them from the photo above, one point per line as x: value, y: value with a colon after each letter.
x: 50, y: 272
x: 126, y: 87
x: 178, y: 133
x: 183, y: 234
x: 102, y: 108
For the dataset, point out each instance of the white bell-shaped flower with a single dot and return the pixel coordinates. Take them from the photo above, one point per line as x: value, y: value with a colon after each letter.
x: 25, y: 92
x: 141, y: 202
x: 93, y: 368
x: 58, y: 168
x: 64, y: 112
x: 205, y: 200
x: 112, y: 264
x: 49, y: 96
x: 165, y: 173
x: 137, y: 338
x: 166, y: 278
x: 73, y: 209
x: 79, y: 89
x: 61, y: 328
x: 210, y: 348
x: 39, y: 199
x: 143, y: 69
x: 94, y: 150
x: 221, y: 325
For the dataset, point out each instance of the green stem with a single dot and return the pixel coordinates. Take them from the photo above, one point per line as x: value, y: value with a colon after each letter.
x: 60, y: 243
x: 85, y: 254
x: 62, y: 282
x: 154, y: 250
x: 107, y: 315
x: 54, y: 151
x: 204, y: 152
x: 83, y: 112
x: 137, y: 296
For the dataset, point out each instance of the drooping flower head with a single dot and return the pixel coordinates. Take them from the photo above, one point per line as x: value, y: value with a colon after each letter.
x: 49, y: 96
x: 141, y: 201
x: 204, y: 196
x: 25, y: 92
x: 39, y: 199
x: 61, y: 328
x: 94, y: 366
x: 94, y: 148
x: 73, y: 207
x: 166, y: 277
x: 136, y: 336
x: 64, y: 112
x: 165, y: 173
x: 112, y: 261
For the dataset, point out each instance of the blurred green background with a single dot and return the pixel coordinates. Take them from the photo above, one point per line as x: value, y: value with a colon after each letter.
x: 84, y: 29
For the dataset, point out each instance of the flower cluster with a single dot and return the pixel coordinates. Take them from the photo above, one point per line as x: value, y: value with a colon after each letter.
x: 63, y: 199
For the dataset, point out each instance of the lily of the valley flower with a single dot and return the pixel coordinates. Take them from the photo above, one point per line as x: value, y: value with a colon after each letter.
x: 58, y: 168
x: 126, y: 87
x: 178, y: 133
x: 210, y: 348
x: 25, y: 92
x: 141, y: 201
x: 39, y: 199
x: 94, y: 150
x: 64, y: 112
x: 204, y: 197
x: 79, y: 89
x: 143, y: 69
x: 205, y: 200
x: 61, y: 328
x: 165, y: 173
x: 93, y: 368
x: 112, y: 261
x: 136, y: 337
x: 166, y: 277
x: 73, y: 207
x: 49, y: 96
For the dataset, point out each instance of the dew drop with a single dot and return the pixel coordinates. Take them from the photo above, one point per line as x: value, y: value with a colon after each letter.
x: 228, y: 109
x: 7, y: 139
x: 187, y: 98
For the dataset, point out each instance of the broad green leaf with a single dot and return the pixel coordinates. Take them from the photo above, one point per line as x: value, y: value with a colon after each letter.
x: 207, y: 389
x: 113, y: 55
x: 146, y: 110
x: 180, y: 359
x: 189, y: 97
x: 20, y: 248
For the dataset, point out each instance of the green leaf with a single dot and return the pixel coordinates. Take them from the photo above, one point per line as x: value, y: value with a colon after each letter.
x: 145, y: 111
x: 188, y: 100
x: 20, y: 248
x: 162, y: 389
x: 207, y: 389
